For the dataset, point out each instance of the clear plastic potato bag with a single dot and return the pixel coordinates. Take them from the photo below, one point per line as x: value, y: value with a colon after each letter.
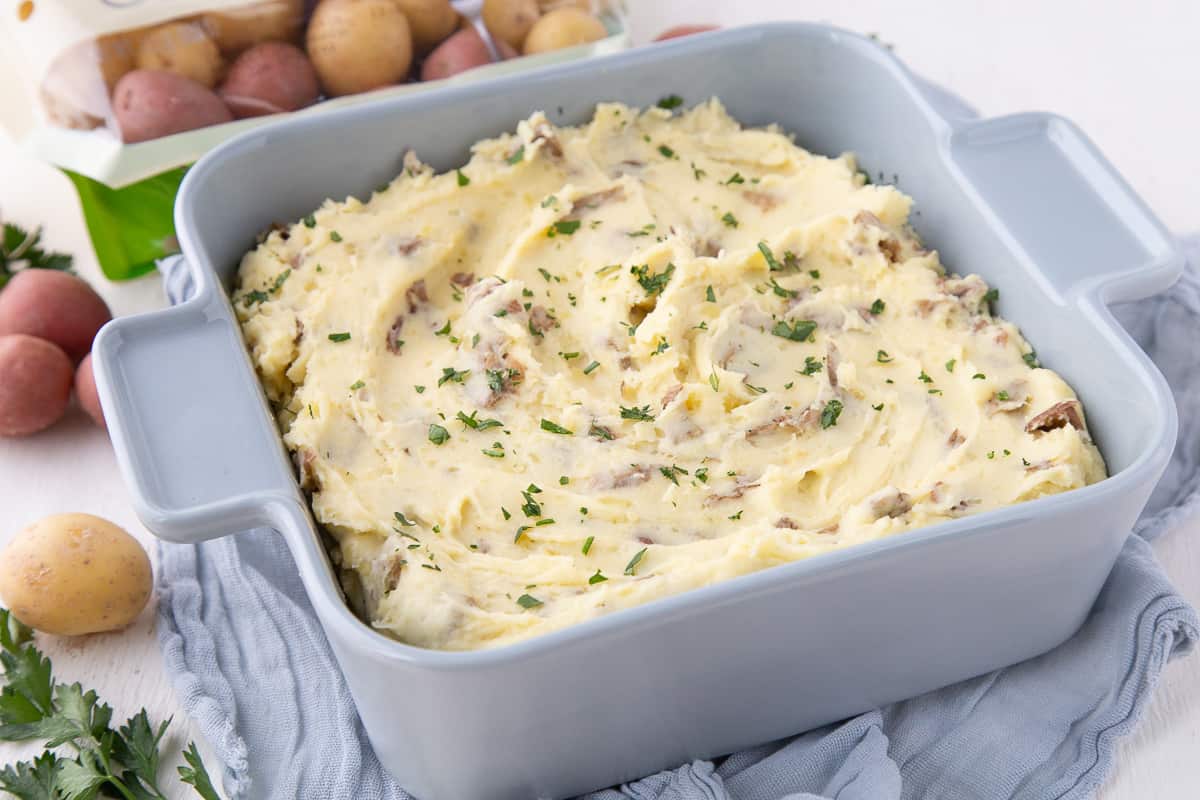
x: 123, y: 95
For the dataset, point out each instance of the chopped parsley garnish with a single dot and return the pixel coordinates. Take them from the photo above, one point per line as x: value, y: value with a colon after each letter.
x: 597, y: 578
x: 463, y: 180
x: 737, y: 516
x: 334, y: 236
x: 563, y: 480
x: 587, y: 543
x: 1031, y: 360
x: 709, y: 295
x: 543, y: 522
x: 554, y: 427
x: 991, y: 296
x: 991, y: 454
x: 882, y: 357
x: 549, y: 201
x: 830, y: 414
x: 799, y: 331
x: 735, y: 178
x: 672, y: 473
x: 935, y: 391
x: 310, y: 221
x: 772, y: 264
x: 729, y: 219
x: 979, y: 376
x: 639, y: 413
x: 452, y: 375
x: 419, y: 389
x: 517, y: 537
x: 478, y: 424
x: 878, y: 407
x: 780, y: 291
x: 403, y: 520
x: 663, y: 346
x: 753, y: 388
x: 498, y: 379
x: 631, y: 567
x: 812, y: 366
x: 789, y: 384
x: 1002, y: 395
x: 815, y: 274
x: 697, y: 173
x: 517, y: 157
x: 601, y: 432
x: 923, y: 378
x: 653, y: 283
x: 505, y: 512
x: 878, y: 306
x: 950, y: 364
x: 354, y: 387
x: 545, y: 273
x: 495, y: 451
x: 254, y: 296
x: 590, y: 368
x: 531, y: 507
x: 528, y: 601
x: 670, y: 101
x: 444, y: 330
x: 339, y: 337
x: 702, y: 474
x: 563, y: 227
x: 646, y: 230
x: 569, y: 356
x: 714, y: 381
x: 438, y: 435
x: 607, y: 270
x: 666, y: 151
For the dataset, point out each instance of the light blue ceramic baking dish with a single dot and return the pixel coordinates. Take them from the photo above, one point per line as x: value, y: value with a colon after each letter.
x: 1026, y: 201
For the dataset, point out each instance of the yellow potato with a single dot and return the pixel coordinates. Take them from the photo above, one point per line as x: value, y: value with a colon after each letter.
x: 236, y: 29
x: 182, y: 48
x: 359, y: 45
x: 551, y: 5
x: 510, y: 20
x: 431, y: 21
x: 117, y: 54
x: 563, y: 27
x: 71, y: 574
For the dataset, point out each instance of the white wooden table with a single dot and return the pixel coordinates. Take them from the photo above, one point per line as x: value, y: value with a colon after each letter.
x: 1128, y: 72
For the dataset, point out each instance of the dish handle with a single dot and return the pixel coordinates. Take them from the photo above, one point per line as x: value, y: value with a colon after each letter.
x: 1064, y: 208
x: 193, y: 437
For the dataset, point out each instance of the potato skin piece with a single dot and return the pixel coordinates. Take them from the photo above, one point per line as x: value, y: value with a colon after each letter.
x: 148, y: 104
x: 510, y: 20
x: 563, y: 27
x: 359, y: 45
x: 73, y: 574
x: 463, y: 51
x: 86, y: 393
x: 35, y: 384
x: 182, y: 48
x: 55, y: 306
x: 270, y: 78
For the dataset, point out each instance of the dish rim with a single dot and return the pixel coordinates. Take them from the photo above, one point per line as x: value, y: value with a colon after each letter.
x: 292, y: 515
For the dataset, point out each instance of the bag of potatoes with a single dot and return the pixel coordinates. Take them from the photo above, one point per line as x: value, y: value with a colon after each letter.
x: 123, y: 95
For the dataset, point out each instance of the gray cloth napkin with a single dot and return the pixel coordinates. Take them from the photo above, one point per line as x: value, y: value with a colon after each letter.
x: 252, y: 666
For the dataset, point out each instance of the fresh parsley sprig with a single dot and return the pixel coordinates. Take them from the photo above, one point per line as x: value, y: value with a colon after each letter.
x: 99, y: 760
x: 19, y: 250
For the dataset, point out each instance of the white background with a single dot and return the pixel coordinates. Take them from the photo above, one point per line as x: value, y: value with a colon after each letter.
x: 1127, y: 72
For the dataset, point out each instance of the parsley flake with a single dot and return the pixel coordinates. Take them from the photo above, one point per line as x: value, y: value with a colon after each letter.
x: 310, y: 221
x: 554, y: 427
x: 735, y: 178
x: 830, y: 414
x: 463, y: 180
x: 438, y: 435
x: 729, y: 219
x: 590, y: 368
x: 882, y: 357
x: 653, y: 283
x: 452, y: 375
x: 709, y: 295
x: 597, y: 578
x: 769, y: 257
x: 631, y: 567
x: 812, y: 366
x: 950, y: 364
x: 878, y: 306
x: 528, y: 601
x: 334, y: 236
x: 339, y: 337
x: 563, y: 227
x: 800, y: 330
x: 587, y: 543
x: 517, y: 156
x: 637, y: 413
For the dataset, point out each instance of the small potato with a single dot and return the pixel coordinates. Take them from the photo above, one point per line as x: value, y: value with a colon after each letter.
x: 35, y: 384
x: 148, y: 104
x: 431, y: 21
x: 359, y: 45
x: 85, y: 391
x: 551, y: 5
x: 184, y: 49
x: 71, y: 574
x: 463, y: 51
x: 510, y: 21
x: 270, y: 78
x: 55, y: 306
x: 565, y: 27
x: 684, y: 30
x: 236, y: 29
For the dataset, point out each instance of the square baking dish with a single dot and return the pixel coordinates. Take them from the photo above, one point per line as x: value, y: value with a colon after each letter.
x: 1025, y: 201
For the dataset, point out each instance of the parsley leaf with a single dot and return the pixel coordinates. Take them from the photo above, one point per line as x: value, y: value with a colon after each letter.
x: 587, y: 544
x: 798, y: 331
x: 476, y: 424
x: 339, y: 337
x: 554, y: 427
x: 812, y: 366
x: 528, y: 601
x: 652, y: 283
x: 463, y: 180
x: 669, y: 102
x: 878, y: 306
x: 517, y: 157
x: 597, y: 578
x: 638, y: 413
x: 830, y: 414
x: 438, y: 435
x: 631, y: 567
x: 772, y: 264
x: 563, y: 227
x: 882, y: 357
x: 452, y: 375
x: 709, y: 295
x: 729, y: 219
x: 19, y: 250
x: 196, y: 775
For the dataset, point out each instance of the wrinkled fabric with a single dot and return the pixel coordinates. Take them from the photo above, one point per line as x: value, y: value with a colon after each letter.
x: 252, y: 667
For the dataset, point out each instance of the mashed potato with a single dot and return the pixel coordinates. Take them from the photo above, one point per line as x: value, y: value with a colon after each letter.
x: 601, y: 365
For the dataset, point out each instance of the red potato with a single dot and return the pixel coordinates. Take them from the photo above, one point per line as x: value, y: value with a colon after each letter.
x: 270, y: 78
x: 684, y: 30
x: 55, y: 306
x: 463, y: 51
x: 85, y: 391
x: 149, y: 104
x: 35, y: 384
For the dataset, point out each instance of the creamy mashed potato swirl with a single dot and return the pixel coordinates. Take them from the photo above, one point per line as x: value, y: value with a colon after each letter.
x: 605, y: 364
